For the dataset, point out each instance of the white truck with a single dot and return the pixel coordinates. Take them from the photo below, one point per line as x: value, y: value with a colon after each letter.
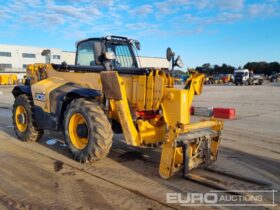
x: 246, y: 77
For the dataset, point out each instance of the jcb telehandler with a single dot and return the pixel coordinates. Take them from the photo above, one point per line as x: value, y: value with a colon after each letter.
x: 107, y: 91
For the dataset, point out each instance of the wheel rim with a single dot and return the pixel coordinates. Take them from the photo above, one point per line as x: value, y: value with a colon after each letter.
x: 77, y: 120
x: 21, y: 118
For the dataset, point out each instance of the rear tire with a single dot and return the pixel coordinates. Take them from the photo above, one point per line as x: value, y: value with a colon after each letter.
x: 96, y: 141
x: 25, y: 128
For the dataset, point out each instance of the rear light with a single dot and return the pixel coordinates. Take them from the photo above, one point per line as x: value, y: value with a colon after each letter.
x: 146, y: 115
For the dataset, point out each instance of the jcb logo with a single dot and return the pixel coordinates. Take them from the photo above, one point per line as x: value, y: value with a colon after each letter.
x: 40, y: 97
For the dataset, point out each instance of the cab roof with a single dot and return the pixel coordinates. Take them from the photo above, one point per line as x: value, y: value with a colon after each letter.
x: 110, y: 37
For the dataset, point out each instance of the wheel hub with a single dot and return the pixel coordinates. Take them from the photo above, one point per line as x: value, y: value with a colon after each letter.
x: 22, y: 118
x: 78, y: 131
x: 82, y: 130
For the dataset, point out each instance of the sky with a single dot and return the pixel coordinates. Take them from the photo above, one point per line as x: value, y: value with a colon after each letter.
x: 200, y: 31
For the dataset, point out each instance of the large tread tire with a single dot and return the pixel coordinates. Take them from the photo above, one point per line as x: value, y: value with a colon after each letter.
x: 100, y: 134
x: 32, y: 133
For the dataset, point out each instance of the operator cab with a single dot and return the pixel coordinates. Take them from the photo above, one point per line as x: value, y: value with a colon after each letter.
x: 110, y: 51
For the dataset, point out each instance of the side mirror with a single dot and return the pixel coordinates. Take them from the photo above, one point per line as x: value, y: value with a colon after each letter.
x: 137, y: 45
x: 47, y: 54
x: 110, y: 56
x: 169, y: 54
x: 179, y: 62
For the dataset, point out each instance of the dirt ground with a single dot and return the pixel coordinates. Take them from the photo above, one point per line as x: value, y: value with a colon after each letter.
x: 43, y: 176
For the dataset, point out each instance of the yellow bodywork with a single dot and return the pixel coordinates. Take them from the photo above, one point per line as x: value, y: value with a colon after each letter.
x: 175, y: 106
x: 130, y: 97
x: 46, y: 86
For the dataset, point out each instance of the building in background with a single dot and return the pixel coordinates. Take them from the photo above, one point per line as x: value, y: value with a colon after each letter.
x: 15, y: 58
x: 153, y: 62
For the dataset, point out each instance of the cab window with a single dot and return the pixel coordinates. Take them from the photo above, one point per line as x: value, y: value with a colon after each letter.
x: 123, y: 55
x: 85, y: 54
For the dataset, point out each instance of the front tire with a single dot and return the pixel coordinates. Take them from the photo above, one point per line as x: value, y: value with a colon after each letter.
x: 24, y: 119
x: 87, y: 129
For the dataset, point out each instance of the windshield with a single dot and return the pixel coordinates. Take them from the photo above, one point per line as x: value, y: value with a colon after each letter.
x: 239, y: 74
x: 124, y: 57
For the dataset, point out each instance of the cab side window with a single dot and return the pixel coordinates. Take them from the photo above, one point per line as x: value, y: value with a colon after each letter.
x: 85, y: 54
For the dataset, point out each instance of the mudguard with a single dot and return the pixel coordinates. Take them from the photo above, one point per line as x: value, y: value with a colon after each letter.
x: 21, y: 89
x: 60, y: 98
x: 82, y: 92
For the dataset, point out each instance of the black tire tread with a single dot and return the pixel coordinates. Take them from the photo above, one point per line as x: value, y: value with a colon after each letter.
x: 33, y: 133
x: 101, y: 130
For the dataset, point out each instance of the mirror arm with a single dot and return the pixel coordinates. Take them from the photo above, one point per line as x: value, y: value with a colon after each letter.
x: 173, y: 65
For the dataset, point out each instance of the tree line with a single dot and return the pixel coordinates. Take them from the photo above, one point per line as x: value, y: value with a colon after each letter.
x: 257, y: 67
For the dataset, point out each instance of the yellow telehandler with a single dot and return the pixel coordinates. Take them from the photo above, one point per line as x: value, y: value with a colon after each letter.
x: 107, y: 91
